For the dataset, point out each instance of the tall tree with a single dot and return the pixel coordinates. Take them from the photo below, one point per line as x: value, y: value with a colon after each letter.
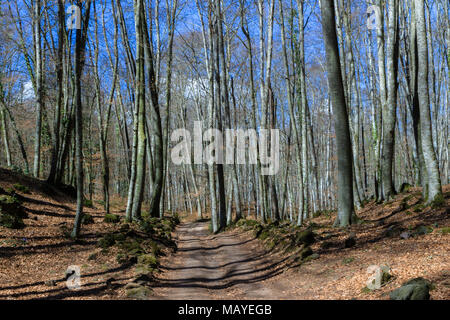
x: 346, y: 214
x: 80, y: 50
x: 389, y: 112
x: 434, y: 188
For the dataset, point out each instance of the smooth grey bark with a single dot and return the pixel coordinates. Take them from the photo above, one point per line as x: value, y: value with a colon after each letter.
x: 429, y: 155
x: 390, y: 108
x: 346, y: 213
x: 38, y: 65
x: 80, y: 44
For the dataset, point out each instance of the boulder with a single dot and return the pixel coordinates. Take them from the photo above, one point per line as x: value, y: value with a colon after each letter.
x: 139, y: 293
x: 11, y: 212
x: 405, y: 235
x: 306, y: 237
x: 305, y: 253
x: 87, y: 219
x: 422, y: 230
x: 112, y: 218
x: 415, y: 289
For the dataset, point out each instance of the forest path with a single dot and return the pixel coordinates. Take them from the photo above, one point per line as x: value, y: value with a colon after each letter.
x: 230, y: 265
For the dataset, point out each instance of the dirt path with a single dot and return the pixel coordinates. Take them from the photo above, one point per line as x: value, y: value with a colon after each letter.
x: 225, y: 266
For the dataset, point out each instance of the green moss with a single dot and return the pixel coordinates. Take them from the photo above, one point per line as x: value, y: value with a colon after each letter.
x: 11, y: 212
x: 88, y: 203
x: 348, y: 260
x: 445, y: 230
x: 305, y: 253
x: 306, y: 237
x: 107, y: 241
x: 405, y: 188
x: 419, y: 208
x: 112, y: 218
x: 144, y: 269
x: 87, y: 219
x: 438, y: 201
x: 139, y: 293
x: 21, y: 188
x: 366, y: 290
x: 148, y: 259
x: 10, y: 191
x: 264, y: 234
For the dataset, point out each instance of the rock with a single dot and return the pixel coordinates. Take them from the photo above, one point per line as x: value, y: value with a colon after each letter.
x: 328, y: 244
x: 11, y: 212
x: 93, y: 256
x: 139, y: 293
x: 305, y: 253
x: 87, y: 219
x: 405, y: 235
x: 422, y: 230
x: 112, y: 218
x: 314, y: 256
x: 392, y: 231
x: 142, y: 269
x: 405, y: 187
x: 350, y: 241
x: 415, y: 289
x: 306, y: 237
x: 106, y: 241
x: 148, y: 259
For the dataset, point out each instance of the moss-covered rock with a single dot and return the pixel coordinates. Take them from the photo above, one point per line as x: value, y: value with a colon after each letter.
x: 405, y: 187
x: 438, y: 201
x: 148, y: 259
x: 305, y: 253
x: 422, y: 230
x: 139, y: 293
x: 21, y: 188
x: 306, y: 237
x: 143, y: 269
x: 88, y: 203
x: 11, y: 212
x: 112, y: 218
x: 415, y: 289
x: 87, y: 219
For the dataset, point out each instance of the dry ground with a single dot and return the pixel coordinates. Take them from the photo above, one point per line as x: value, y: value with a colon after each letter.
x: 231, y: 265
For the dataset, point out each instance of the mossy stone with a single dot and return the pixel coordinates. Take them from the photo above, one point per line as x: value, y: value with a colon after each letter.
x: 87, y: 219
x: 139, y: 293
x: 415, y: 289
x: 112, y: 218
x: 148, y: 259
x: 21, y: 188
x: 305, y: 253
x: 305, y: 237
x: 11, y: 212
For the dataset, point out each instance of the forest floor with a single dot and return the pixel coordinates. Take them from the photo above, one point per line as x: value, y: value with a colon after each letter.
x: 234, y: 264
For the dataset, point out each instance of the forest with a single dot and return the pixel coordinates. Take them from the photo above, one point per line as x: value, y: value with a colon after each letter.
x: 296, y: 149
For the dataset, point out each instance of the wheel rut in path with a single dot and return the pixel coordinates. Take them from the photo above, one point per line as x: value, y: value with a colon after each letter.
x: 229, y: 265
